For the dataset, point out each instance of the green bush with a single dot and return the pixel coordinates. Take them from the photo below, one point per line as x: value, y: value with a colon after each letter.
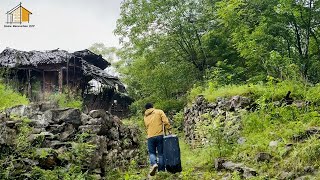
x: 10, y: 98
x: 313, y: 94
x: 270, y: 91
x: 65, y: 100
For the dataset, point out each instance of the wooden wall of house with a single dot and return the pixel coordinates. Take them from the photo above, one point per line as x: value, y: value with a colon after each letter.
x: 110, y: 101
x: 35, y: 82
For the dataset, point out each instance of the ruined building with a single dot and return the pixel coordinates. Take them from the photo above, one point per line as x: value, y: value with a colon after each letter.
x: 38, y: 73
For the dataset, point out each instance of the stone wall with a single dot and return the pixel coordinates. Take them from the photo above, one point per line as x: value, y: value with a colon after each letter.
x: 56, y: 131
x: 202, y: 117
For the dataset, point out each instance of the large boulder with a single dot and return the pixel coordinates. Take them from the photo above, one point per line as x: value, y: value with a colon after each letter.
x: 244, y: 171
x: 64, y: 115
x: 7, y: 134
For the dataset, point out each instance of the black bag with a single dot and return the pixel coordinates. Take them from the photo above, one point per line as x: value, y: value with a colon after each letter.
x: 171, y: 153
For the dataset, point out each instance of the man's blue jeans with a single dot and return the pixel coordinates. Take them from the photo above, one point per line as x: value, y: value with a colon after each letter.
x: 155, y: 144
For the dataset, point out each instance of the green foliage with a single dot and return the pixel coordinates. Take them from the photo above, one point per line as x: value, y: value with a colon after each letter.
x: 108, y: 53
x: 71, y: 173
x: 271, y: 121
x: 10, y: 98
x: 313, y: 94
x: 169, y: 46
x: 138, y: 122
x: 270, y: 91
x: 67, y: 100
x: 305, y: 154
x: 178, y: 119
x: 22, y: 143
x: 131, y: 173
x: 193, y: 161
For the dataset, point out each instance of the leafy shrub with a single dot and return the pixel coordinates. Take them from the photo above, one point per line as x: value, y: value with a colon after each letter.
x: 10, y: 98
x: 178, y: 119
x: 169, y: 105
x: 67, y: 100
x: 313, y: 94
x: 269, y: 91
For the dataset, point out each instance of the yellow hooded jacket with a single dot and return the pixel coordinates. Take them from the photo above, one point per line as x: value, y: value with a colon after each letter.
x: 153, y: 120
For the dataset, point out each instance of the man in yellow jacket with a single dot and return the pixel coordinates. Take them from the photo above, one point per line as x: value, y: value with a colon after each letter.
x: 154, y: 119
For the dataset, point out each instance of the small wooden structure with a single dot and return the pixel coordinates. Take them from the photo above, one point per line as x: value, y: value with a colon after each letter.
x: 37, y: 73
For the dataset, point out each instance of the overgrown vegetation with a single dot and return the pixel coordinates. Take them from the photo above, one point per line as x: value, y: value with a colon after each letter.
x: 14, y: 164
x: 269, y: 91
x: 10, y: 98
x: 169, y: 46
x: 269, y: 122
x: 67, y: 99
x: 176, y: 50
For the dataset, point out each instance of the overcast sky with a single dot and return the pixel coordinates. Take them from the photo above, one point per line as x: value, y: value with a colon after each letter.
x: 66, y: 24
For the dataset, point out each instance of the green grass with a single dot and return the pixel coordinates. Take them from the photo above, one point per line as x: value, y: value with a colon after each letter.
x: 196, y: 164
x: 9, y: 98
x: 67, y: 101
x: 271, y: 123
x: 270, y: 91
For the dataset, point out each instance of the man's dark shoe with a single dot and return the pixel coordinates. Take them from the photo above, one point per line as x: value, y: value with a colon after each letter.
x: 153, y: 170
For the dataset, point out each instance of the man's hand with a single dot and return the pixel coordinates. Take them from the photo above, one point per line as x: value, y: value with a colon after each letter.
x: 169, y: 131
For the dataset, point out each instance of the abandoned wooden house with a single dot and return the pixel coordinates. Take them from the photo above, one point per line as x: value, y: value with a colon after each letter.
x: 37, y: 74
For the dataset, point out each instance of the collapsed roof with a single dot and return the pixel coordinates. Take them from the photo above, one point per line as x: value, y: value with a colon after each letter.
x: 92, y: 64
x: 15, y: 58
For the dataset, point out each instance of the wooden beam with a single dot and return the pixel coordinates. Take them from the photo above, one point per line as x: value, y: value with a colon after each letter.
x: 29, y: 84
x: 60, y: 80
x: 38, y: 70
x: 74, y: 69
x: 44, y: 82
x: 68, y: 73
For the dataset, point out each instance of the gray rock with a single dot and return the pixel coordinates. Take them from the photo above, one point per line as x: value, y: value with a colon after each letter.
x: 289, y: 147
x: 19, y: 111
x: 218, y: 163
x: 232, y: 166
x: 113, y: 134
x: 67, y: 115
x: 100, y: 113
x: 58, y: 144
x: 56, y: 128
x: 84, y: 118
x: 273, y: 144
x: 249, y: 172
x: 3, y: 117
x: 68, y: 133
x: 312, y: 131
x: 286, y: 175
x: 308, y: 169
x: 94, y: 129
x: 241, y: 140
x: 263, y: 156
x: 13, y: 124
x: 246, y: 172
x: 39, y: 138
x: 44, y: 106
x: 96, y: 121
x: 7, y: 135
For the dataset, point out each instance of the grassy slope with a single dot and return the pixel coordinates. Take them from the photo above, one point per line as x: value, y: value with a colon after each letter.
x: 268, y: 124
x: 259, y: 128
x: 271, y: 123
x: 10, y: 98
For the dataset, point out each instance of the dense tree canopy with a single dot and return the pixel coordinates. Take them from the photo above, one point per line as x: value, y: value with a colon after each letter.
x: 170, y: 45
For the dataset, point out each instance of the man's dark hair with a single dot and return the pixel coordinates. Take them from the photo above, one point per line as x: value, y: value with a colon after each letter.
x: 148, y: 105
